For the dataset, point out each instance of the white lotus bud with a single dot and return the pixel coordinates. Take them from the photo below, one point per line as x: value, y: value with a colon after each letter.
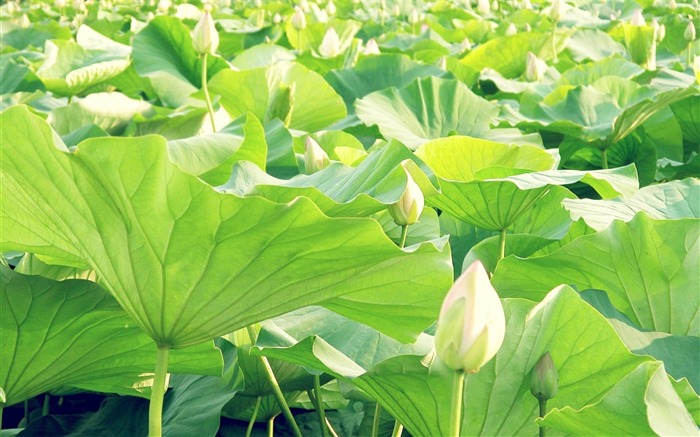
x: 483, y: 7
x: 494, y: 5
x: 330, y: 8
x: 330, y: 46
x: 534, y: 68
x: 409, y: 207
x: 672, y: 4
x: 298, y: 19
x: 528, y: 28
x: 59, y: 4
x: 149, y: 16
x: 637, y: 18
x: 466, y: 44
x: 79, y: 6
x: 304, y: 5
x: 511, y: 30
x: 472, y: 324
x: 277, y: 18
x: 24, y: 22
x: 689, y: 33
x: 413, y: 17
x: 526, y: 4
x: 397, y: 10
x: 315, y: 157
x: 258, y: 4
x: 205, y: 36
x: 555, y: 10
x: 661, y: 33
x: 372, y: 48
x: 544, y: 382
x: 164, y: 6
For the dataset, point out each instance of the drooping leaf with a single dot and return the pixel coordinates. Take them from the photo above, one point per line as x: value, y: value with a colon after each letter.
x: 73, y: 333
x: 649, y: 268
x: 123, y: 196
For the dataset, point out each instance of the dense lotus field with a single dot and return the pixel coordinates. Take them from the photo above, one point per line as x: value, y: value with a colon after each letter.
x: 342, y: 218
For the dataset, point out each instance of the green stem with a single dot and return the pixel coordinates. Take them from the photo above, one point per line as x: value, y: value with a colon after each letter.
x: 271, y: 427
x: 299, y: 41
x: 554, y: 46
x: 404, y: 234
x: 375, y: 422
x: 46, y: 407
x: 2, y: 406
x: 276, y: 390
x: 253, y: 417
x: 543, y: 411
x: 502, y: 245
x: 604, y: 158
x: 319, y: 405
x: 398, y: 429
x: 457, y: 397
x: 155, y: 409
x: 690, y: 60
x: 205, y: 88
x: 26, y: 413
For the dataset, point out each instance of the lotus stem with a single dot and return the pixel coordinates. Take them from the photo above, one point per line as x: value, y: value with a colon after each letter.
x: 253, y: 417
x: 2, y: 406
x: 205, y: 88
x: 457, y: 398
x: 276, y: 390
x: 271, y: 427
x: 604, y: 158
x: 543, y: 411
x: 398, y: 429
x: 404, y: 234
x: 329, y: 426
x: 502, y: 245
x: 46, y: 407
x: 554, y: 45
x: 319, y: 405
x: 375, y: 421
x: 155, y: 409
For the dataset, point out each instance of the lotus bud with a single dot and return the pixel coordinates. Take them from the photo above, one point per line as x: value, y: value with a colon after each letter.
x: 79, y: 6
x: 205, y: 37
x: 544, y: 382
x: 330, y: 46
x: 472, y: 325
x: 60, y: 4
x: 466, y: 44
x: 534, y: 68
x: 372, y: 48
x: 397, y: 10
x: 304, y: 5
x: 661, y: 33
x: 689, y: 33
x: 494, y: 5
x: 637, y: 18
x: 314, y: 156
x: 511, y: 30
x: 555, y: 10
x: 413, y: 17
x: 526, y: 4
x: 483, y: 7
x: 528, y: 28
x: 277, y: 19
x: 409, y: 207
x: 696, y: 68
x: 672, y: 4
x: 164, y: 6
x: 298, y: 19
x: 330, y: 8
x: 24, y: 22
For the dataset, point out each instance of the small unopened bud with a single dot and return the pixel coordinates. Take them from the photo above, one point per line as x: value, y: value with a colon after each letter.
x: 409, y: 207
x: 511, y: 30
x: 526, y: 4
x: 534, y: 68
x: 397, y: 10
x: 205, y: 37
x: 528, y: 28
x: 330, y: 46
x: 544, y: 382
x: 413, y: 17
x: 330, y: 7
x: 637, y: 18
x: 164, y: 6
x: 277, y: 19
x: 661, y: 33
x: 689, y: 33
x: 466, y: 44
x: 494, y: 5
x: 483, y: 7
x: 298, y: 19
x: 555, y: 10
x: 372, y: 48
x: 672, y: 4
x: 60, y: 4
x: 315, y: 157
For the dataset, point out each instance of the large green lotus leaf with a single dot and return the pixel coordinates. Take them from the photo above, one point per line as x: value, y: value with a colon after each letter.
x: 73, y: 333
x: 427, y: 109
x: 281, y: 90
x: 644, y: 392
x: 338, y: 190
x: 72, y: 67
x: 377, y: 73
x: 686, y: 112
x: 163, y: 52
x: 188, y: 263
x: 111, y: 112
x: 173, y: 124
x: 35, y: 35
x: 590, y: 72
x: 671, y: 200
x: 211, y: 156
x: 463, y: 237
x: 262, y: 55
x: 593, y: 44
x: 311, y: 37
x: 676, y: 351
x: 648, y: 267
x: 589, y: 356
x: 17, y: 77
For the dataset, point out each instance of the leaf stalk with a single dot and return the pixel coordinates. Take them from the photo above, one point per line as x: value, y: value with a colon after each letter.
x: 155, y: 409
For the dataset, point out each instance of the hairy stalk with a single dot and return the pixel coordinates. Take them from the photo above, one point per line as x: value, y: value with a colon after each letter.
x: 319, y: 405
x: 543, y: 411
x: 205, y: 88
x: 404, y: 234
x: 604, y: 158
x: 2, y: 406
x: 155, y: 409
x: 271, y: 427
x: 46, y: 407
x: 276, y: 390
x: 457, y: 397
x: 375, y: 422
x: 253, y: 417
x: 398, y: 429
x: 554, y: 45
x: 502, y: 245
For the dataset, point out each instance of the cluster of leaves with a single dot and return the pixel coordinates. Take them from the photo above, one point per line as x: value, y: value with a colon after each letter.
x: 128, y: 222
